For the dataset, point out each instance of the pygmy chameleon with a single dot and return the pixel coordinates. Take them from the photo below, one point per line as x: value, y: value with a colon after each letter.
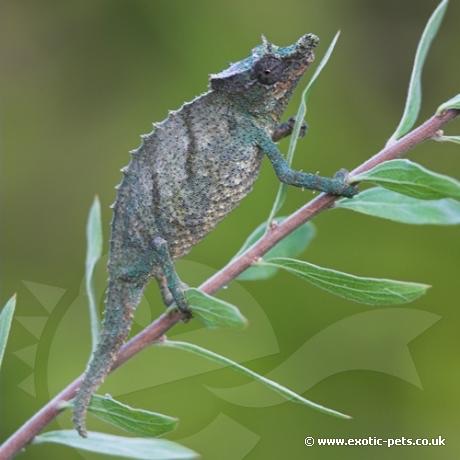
x: 186, y: 176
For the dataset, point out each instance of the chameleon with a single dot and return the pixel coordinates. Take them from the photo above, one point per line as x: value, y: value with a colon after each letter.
x: 186, y: 176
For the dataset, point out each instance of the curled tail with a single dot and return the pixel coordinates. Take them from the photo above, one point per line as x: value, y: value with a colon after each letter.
x: 122, y: 300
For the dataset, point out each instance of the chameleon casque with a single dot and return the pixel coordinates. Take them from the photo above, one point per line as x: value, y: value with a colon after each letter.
x: 186, y: 176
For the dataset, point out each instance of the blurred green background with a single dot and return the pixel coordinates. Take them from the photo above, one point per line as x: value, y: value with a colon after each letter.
x: 81, y: 80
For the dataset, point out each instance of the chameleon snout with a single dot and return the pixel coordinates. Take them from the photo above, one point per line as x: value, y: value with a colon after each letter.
x: 307, y: 42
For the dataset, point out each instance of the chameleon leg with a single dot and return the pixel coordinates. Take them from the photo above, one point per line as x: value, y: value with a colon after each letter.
x: 285, y: 129
x: 337, y: 185
x: 171, y: 280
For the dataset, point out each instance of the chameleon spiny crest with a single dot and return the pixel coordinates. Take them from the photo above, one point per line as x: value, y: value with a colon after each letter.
x: 186, y: 176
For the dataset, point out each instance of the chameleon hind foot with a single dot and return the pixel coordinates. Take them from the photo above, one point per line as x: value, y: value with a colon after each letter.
x: 166, y: 295
x: 172, y: 288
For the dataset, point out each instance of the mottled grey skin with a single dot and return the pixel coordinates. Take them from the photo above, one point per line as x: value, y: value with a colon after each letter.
x: 188, y: 174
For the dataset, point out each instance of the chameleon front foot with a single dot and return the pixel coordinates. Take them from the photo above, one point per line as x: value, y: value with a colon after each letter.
x: 285, y: 129
x: 337, y: 185
x: 340, y: 185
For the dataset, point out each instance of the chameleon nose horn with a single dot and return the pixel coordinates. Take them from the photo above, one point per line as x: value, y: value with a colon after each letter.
x: 307, y: 42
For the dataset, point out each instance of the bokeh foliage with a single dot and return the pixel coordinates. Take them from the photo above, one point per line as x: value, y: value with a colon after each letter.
x: 80, y: 81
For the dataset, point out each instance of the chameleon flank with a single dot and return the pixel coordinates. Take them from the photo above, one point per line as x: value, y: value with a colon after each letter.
x: 187, y: 175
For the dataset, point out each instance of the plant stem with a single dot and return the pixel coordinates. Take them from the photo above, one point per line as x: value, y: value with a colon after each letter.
x: 161, y: 325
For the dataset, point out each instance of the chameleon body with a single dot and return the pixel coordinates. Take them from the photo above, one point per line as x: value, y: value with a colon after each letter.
x: 187, y: 175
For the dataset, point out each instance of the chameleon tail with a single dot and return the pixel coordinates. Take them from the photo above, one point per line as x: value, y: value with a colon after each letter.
x: 122, y: 300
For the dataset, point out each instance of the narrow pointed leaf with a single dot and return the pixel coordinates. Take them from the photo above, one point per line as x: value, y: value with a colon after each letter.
x: 414, y: 93
x: 283, y: 391
x: 453, y: 103
x: 119, y: 446
x: 93, y: 254
x: 291, y: 246
x: 214, y: 312
x: 137, y: 421
x: 299, y: 119
x: 379, y: 202
x: 412, y: 179
x: 370, y: 291
x: 6, y: 317
x: 454, y: 139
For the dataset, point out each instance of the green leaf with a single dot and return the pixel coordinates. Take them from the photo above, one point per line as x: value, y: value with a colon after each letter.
x: 453, y: 103
x: 454, y: 139
x: 412, y: 179
x: 370, y: 291
x: 299, y: 119
x: 138, y: 421
x: 283, y: 391
x: 414, y: 93
x: 6, y: 317
x: 291, y: 246
x: 214, y: 312
x: 93, y: 254
x: 386, y: 204
x: 118, y: 446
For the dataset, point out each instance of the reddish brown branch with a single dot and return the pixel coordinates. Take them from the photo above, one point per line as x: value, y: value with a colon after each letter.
x: 160, y: 326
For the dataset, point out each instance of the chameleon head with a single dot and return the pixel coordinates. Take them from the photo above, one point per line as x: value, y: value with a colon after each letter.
x: 264, y: 81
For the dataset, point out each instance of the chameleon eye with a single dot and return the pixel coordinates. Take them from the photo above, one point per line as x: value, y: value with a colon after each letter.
x: 268, y: 70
